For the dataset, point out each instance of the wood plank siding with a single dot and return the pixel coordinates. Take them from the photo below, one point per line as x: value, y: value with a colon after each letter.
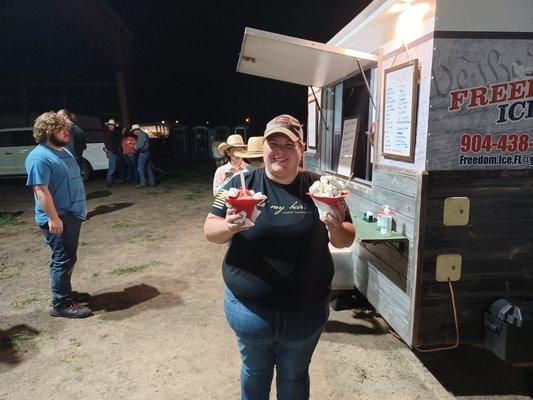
x: 382, y: 273
x: 311, y: 163
x: 496, y: 248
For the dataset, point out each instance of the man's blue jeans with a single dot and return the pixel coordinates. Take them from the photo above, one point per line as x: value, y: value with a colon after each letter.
x: 282, y: 336
x: 145, y: 169
x: 111, y: 170
x: 64, y: 248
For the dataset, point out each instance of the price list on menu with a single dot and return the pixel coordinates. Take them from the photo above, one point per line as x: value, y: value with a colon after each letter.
x: 398, y: 116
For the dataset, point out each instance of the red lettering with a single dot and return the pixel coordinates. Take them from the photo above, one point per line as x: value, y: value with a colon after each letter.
x: 478, y: 97
x: 498, y: 92
x: 530, y: 88
x: 457, y: 98
x: 518, y: 90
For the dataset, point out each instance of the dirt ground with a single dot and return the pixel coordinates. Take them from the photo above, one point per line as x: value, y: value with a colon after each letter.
x: 158, y: 329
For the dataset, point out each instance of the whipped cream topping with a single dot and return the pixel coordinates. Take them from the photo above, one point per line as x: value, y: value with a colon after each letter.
x: 235, y: 192
x: 328, y: 186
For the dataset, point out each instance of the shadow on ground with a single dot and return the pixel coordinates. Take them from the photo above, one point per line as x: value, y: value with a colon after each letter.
x: 359, y: 327
x: 98, y: 194
x: 353, y: 329
x: 473, y: 371
x: 11, y: 214
x: 131, y: 301
x: 12, y: 340
x: 107, y: 208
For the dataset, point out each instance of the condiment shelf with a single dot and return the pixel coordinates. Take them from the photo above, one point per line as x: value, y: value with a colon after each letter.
x: 367, y: 232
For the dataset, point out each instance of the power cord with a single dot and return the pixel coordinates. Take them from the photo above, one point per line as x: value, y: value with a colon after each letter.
x: 456, y: 327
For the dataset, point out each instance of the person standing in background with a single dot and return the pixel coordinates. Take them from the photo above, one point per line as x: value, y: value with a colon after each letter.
x: 111, y: 148
x: 220, y: 159
x: 128, y: 153
x: 142, y: 146
x: 236, y: 164
x: 253, y: 153
x: 77, y: 141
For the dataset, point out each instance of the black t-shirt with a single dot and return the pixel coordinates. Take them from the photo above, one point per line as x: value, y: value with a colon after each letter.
x: 284, y: 259
x: 77, y: 142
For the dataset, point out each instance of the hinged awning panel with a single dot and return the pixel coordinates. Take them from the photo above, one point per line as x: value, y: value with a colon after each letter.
x: 299, y: 61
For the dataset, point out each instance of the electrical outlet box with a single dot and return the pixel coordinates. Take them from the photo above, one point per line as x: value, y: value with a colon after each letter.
x: 456, y: 211
x: 448, y: 266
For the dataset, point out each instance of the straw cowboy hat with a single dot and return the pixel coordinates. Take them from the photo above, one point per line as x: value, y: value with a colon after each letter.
x: 135, y: 126
x: 111, y: 122
x: 232, y: 141
x: 254, y: 149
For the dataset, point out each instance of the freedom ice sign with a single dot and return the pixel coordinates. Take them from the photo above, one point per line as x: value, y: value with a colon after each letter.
x: 481, y: 113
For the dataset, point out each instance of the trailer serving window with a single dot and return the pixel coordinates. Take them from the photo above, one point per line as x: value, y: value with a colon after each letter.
x: 320, y: 67
x: 348, y: 100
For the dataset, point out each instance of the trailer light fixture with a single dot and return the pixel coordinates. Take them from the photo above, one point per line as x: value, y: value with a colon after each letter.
x: 410, y: 24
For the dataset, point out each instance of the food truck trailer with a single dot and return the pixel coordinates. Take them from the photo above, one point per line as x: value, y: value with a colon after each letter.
x: 427, y: 106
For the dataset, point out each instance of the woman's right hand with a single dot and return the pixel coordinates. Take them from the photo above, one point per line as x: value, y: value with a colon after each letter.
x: 235, y: 221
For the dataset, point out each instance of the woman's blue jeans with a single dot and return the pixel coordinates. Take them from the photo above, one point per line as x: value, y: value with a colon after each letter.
x: 64, y: 248
x: 279, y: 336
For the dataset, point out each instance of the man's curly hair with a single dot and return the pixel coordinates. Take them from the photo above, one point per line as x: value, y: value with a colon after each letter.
x: 46, y: 125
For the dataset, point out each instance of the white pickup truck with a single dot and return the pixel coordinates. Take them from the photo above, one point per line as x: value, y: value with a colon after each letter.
x: 16, y: 143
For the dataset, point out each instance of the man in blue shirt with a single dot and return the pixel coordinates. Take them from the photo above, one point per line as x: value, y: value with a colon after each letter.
x: 142, y: 146
x: 55, y: 178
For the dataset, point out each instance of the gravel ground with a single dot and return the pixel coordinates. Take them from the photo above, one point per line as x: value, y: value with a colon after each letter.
x: 158, y: 329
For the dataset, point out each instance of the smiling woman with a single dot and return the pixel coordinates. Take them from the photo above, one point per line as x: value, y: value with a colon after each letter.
x: 282, y: 157
x: 278, y: 271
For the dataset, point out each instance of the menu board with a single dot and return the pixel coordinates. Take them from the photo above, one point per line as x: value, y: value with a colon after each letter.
x: 399, y: 111
x: 350, y: 135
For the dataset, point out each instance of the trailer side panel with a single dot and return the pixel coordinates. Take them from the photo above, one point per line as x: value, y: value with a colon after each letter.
x: 496, y: 248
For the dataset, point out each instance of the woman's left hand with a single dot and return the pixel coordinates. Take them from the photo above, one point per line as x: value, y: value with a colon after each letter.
x: 335, y: 217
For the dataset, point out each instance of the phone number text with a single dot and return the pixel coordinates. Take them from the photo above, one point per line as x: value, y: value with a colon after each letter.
x: 506, y: 143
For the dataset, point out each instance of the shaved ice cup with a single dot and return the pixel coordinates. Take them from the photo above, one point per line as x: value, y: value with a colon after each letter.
x: 325, y: 204
x: 246, y: 207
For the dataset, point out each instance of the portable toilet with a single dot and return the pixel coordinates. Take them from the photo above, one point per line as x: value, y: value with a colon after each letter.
x: 198, y: 143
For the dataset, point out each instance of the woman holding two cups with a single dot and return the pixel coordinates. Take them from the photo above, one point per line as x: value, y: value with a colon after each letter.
x: 278, y: 272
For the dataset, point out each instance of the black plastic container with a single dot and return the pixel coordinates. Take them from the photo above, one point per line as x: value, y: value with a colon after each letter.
x: 509, y: 330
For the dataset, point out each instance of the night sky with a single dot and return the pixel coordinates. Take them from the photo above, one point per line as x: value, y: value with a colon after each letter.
x: 186, y: 55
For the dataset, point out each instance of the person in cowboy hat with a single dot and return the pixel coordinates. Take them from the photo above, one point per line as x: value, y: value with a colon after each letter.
x: 220, y: 160
x: 111, y: 148
x: 235, y: 164
x: 142, y: 146
x: 252, y: 155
